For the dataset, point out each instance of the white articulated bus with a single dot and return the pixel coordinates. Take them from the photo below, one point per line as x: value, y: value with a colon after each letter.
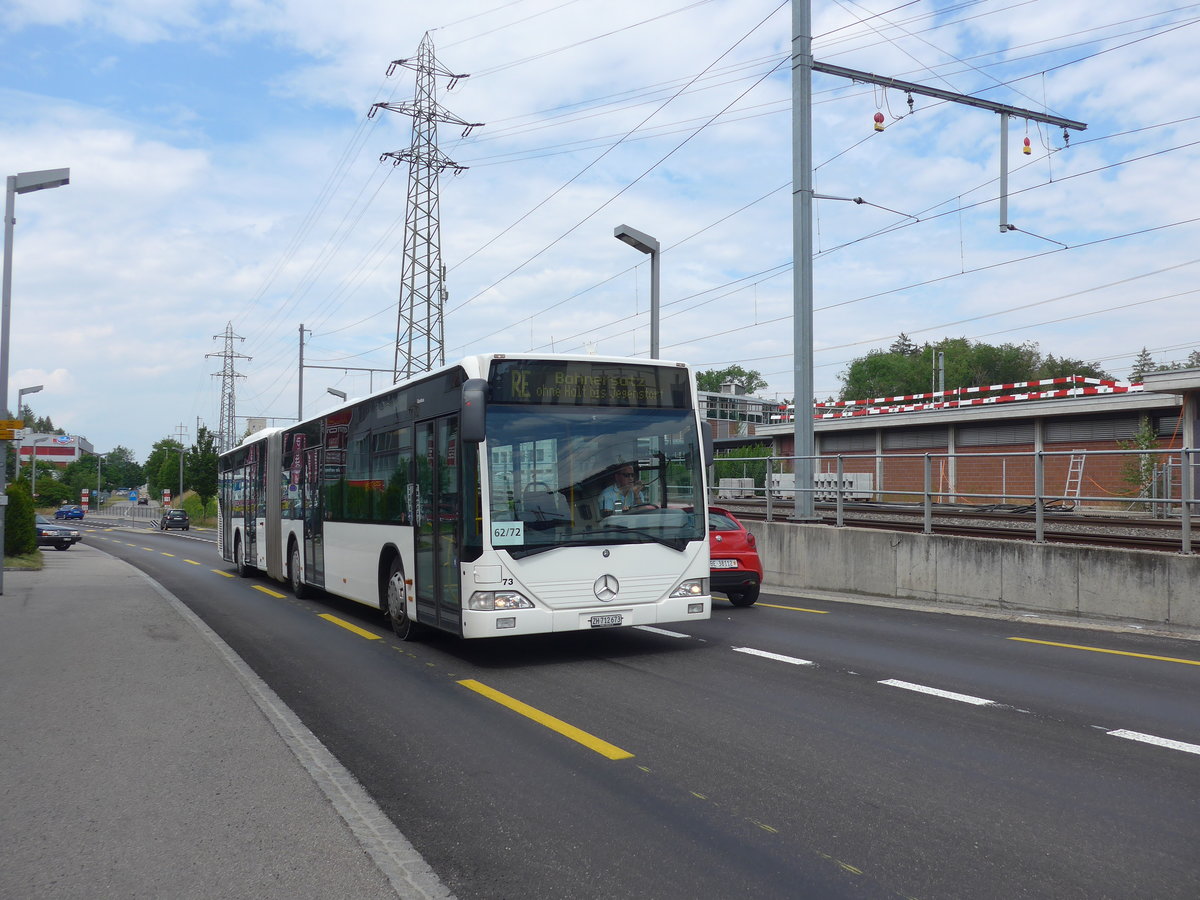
x: 477, y: 499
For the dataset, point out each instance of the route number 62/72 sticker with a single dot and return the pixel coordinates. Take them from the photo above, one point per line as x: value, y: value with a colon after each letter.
x: 508, y: 534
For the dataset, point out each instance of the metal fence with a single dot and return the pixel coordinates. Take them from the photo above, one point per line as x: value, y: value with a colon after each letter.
x: 1136, y: 484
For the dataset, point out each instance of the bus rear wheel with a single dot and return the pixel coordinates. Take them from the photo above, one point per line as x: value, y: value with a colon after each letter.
x: 295, y: 572
x: 396, y: 598
x: 239, y: 559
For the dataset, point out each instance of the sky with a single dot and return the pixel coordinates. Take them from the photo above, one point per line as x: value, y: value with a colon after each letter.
x: 225, y: 173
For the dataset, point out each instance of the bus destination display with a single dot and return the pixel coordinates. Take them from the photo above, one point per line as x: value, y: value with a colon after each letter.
x: 589, y: 384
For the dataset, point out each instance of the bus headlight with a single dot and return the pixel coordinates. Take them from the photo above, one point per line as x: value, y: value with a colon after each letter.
x: 693, y: 587
x: 486, y: 600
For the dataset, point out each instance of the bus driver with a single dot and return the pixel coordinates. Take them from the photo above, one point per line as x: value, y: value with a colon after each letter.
x: 625, y: 493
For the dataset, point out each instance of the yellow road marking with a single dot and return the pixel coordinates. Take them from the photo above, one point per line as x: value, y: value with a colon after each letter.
x: 165, y: 553
x: 604, y: 748
x: 794, y: 608
x: 222, y: 572
x: 151, y: 549
x: 349, y: 626
x: 259, y: 587
x: 1186, y: 662
x: 191, y: 562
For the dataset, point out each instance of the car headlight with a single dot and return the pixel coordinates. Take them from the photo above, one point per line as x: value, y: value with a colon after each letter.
x: 485, y: 600
x: 693, y: 587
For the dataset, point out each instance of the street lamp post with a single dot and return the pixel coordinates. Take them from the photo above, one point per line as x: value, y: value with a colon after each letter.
x: 21, y: 392
x: 21, y: 183
x: 181, y: 452
x: 639, y: 240
x: 33, y: 465
x: 341, y: 395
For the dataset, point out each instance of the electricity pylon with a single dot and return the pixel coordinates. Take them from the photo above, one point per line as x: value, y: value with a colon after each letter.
x: 420, y: 338
x: 227, y: 435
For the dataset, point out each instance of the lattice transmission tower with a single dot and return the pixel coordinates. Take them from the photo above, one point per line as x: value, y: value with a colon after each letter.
x: 420, y: 337
x: 227, y: 433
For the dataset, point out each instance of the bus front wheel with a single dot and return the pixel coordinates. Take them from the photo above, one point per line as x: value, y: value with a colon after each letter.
x: 397, y: 604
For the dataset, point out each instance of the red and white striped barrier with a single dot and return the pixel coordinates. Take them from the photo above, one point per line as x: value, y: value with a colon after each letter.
x: 850, y: 408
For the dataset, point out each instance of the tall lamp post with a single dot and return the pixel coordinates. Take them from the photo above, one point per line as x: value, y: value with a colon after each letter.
x: 21, y: 183
x: 21, y: 392
x: 33, y: 464
x: 639, y: 240
x: 181, y: 452
x: 341, y: 395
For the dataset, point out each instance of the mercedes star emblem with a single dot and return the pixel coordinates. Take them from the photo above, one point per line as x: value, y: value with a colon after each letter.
x: 606, y: 587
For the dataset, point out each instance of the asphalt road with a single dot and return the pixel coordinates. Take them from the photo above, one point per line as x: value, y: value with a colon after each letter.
x: 793, y: 749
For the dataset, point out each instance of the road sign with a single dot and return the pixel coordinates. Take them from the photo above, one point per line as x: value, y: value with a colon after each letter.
x: 8, y: 434
x: 133, y: 496
x: 12, y: 423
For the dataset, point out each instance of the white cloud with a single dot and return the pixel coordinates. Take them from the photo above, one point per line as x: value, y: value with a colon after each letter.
x: 243, y: 184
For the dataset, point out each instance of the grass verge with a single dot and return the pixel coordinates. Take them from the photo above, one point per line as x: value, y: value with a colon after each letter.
x: 31, y: 561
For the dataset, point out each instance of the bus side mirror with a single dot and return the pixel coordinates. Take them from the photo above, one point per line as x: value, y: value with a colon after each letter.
x: 474, y: 410
x: 706, y: 434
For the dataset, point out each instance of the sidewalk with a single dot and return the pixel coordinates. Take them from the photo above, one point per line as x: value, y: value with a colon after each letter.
x: 140, y: 757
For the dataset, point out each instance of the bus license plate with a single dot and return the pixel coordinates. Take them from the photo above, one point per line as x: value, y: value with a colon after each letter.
x: 606, y: 621
x: 722, y: 564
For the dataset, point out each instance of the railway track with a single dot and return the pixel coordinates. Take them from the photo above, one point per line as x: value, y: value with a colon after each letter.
x: 1013, y: 523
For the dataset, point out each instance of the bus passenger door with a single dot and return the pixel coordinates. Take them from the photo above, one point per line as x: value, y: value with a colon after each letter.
x: 436, y: 520
x: 314, y: 514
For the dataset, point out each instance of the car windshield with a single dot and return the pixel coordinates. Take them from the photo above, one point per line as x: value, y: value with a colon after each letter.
x: 720, y: 522
x: 42, y: 520
x: 547, y: 474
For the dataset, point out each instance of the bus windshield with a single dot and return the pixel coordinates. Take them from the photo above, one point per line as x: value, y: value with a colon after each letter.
x: 592, y: 475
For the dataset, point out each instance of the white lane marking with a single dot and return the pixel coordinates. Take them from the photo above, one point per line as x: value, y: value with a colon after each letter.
x: 947, y: 695
x: 1157, y: 741
x: 662, y: 631
x: 775, y: 656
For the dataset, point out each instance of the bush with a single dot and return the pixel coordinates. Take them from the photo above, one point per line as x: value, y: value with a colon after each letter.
x: 20, y: 535
x: 198, y: 514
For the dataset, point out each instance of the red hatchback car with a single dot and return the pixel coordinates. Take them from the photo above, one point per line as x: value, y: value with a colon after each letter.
x: 734, y: 568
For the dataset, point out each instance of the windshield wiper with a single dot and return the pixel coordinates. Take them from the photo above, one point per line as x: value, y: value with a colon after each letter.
x: 673, y: 543
x: 534, y: 550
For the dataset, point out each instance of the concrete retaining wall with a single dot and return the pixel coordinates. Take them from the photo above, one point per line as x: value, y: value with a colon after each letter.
x: 993, y: 574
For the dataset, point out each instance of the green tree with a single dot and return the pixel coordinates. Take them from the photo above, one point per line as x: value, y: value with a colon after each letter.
x: 202, y: 466
x: 884, y: 374
x: 162, y: 466
x: 1142, y: 364
x: 712, y: 379
x: 52, y: 492
x: 1061, y: 367
x: 744, y: 462
x: 20, y: 536
x: 121, y: 470
x: 1139, y: 468
x: 902, y: 370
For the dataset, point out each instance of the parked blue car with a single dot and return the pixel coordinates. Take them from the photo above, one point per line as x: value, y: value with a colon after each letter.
x: 69, y: 512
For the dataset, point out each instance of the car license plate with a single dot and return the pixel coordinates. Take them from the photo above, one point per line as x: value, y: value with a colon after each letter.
x: 606, y: 621
x: 722, y: 564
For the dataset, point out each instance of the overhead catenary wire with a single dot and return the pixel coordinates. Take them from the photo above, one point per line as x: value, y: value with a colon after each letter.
x: 614, y: 276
